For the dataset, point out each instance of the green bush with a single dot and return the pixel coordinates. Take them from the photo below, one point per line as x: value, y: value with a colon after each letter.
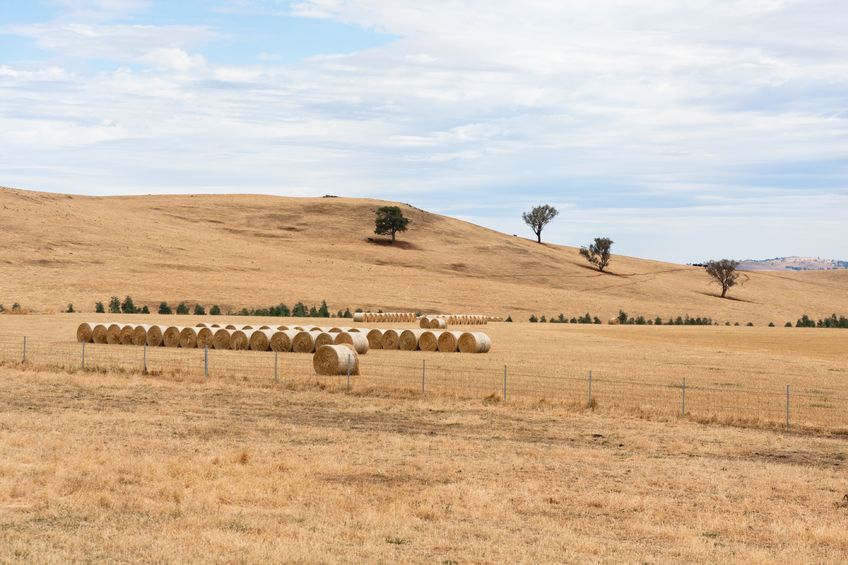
x: 508, y: 319
x: 114, y: 305
x: 145, y: 309
x: 99, y: 308
x: 182, y: 309
x: 70, y: 309
x: 215, y: 310
x: 164, y: 308
x: 533, y: 318
x: 128, y: 307
x: 199, y: 310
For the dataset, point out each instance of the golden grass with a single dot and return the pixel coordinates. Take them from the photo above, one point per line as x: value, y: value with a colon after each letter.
x: 52, y: 242
x: 129, y: 468
x: 733, y: 374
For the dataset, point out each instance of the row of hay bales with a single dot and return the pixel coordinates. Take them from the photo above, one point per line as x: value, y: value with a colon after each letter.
x: 284, y: 339
x: 384, y: 317
x: 441, y: 321
x: 429, y: 340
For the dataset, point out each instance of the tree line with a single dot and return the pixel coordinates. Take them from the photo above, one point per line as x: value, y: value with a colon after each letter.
x: 299, y: 310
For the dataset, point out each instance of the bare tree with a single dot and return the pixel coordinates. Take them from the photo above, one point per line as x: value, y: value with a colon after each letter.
x: 724, y: 273
x: 598, y: 253
x: 538, y: 218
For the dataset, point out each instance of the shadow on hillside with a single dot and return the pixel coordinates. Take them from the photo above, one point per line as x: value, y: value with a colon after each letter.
x: 397, y: 244
x: 600, y: 274
x: 732, y: 298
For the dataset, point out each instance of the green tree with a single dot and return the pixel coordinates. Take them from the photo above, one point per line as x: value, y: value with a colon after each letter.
x: 323, y: 311
x: 128, y: 307
x: 215, y: 310
x: 165, y: 309
x: 598, y: 253
x: 299, y: 310
x: 538, y: 218
x: 389, y: 220
x: 99, y: 308
x: 724, y: 273
x: 114, y: 305
x: 145, y: 309
x: 199, y: 310
x: 182, y: 309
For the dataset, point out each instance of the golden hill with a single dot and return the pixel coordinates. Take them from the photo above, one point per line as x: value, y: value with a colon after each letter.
x: 262, y: 250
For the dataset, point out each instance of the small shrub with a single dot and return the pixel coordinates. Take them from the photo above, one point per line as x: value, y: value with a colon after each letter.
x: 750, y: 324
x: 182, y: 309
x: 533, y: 318
x: 164, y: 308
x: 99, y: 308
x: 508, y: 319
x: 542, y: 319
x: 199, y: 310
x: 771, y: 324
x: 114, y: 305
x: 70, y: 309
x: 787, y: 325
x: 145, y: 309
x: 215, y: 310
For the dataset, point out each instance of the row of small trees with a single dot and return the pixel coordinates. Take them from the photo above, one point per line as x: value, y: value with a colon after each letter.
x: 300, y: 310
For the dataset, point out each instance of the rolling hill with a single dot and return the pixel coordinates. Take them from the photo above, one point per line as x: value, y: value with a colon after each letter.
x: 260, y: 250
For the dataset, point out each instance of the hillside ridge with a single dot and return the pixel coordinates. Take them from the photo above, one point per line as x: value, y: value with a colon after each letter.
x: 258, y: 250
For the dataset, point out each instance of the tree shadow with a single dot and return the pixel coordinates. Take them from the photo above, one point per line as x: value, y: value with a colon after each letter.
x: 398, y: 244
x: 731, y: 298
x: 600, y: 273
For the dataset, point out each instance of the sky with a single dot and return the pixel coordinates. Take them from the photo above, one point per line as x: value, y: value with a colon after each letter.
x: 684, y: 130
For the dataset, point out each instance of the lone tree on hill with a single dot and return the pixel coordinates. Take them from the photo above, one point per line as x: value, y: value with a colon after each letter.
x: 538, y: 218
x: 389, y: 221
x: 598, y: 253
x: 724, y: 273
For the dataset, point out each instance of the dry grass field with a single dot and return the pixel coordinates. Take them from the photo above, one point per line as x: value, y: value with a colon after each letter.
x: 734, y: 375
x: 254, y: 251
x: 96, y: 467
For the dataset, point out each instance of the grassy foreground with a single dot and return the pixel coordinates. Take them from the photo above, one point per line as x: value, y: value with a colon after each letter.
x: 96, y: 467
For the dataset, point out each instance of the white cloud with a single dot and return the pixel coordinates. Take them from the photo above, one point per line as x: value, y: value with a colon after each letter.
x: 631, y: 114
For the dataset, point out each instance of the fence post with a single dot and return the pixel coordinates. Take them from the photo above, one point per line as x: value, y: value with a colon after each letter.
x: 23, y: 359
x: 206, y: 362
x: 590, y: 388
x: 683, y: 398
x: 504, y: 394
x: 276, y: 366
x: 787, y: 406
x: 144, y: 370
x: 423, y: 373
x: 348, y: 377
x: 82, y: 357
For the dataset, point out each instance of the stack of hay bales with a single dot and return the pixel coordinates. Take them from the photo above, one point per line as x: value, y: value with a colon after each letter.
x: 398, y: 317
x: 454, y: 320
x: 433, y: 323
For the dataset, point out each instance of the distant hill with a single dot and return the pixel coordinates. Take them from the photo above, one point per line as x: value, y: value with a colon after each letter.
x: 793, y: 264
x: 258, y: 251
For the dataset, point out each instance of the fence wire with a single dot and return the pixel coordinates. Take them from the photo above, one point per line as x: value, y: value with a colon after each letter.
x: 433, y: 373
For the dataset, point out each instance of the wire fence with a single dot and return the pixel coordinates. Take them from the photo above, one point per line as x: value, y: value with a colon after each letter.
x: 780, y: 404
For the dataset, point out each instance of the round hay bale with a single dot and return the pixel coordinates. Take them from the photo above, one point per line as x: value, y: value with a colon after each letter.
x: 139, y: 335
x: 282, y: 341
x: 614, y: 321
x: 362, y: 331
x: 334, y: 360
x: 297, y: 328
x: 204, y: 338
x: 154, y: 336
x: 336, y: 330
x: 239, y: 340
x: 283, y: 328
x: 449, y: 342
x: 429, y: 340
x: 357, y: 341
x: 188, y: 338
x: 474, y: 342
x: 409, y: 339
x: 84, y: 331
x: 304, y: 342
x: 325, y: 338
x: 391, y: 340
x: 375, y: 339
x: 215, y: 326
x: 200, y: 325
x: 243, y: 328
x: 221, y: 339
x: 260, y: 340
x: 359, y: 316
x: 171, y: 336
x: 424, y: 322
x: 230, y: 327
x: 113, y: 334
x: 126, y: 335
x: 438, y: 324
x: 264, y: 328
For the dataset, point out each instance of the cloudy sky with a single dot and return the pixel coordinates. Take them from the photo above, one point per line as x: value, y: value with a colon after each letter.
x: 682, y: 129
